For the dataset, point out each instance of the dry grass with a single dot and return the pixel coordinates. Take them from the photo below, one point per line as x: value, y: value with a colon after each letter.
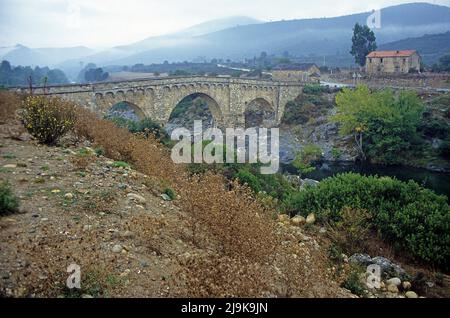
x: 9, y: 103
x: 225, y: 220
x: 243, y: 252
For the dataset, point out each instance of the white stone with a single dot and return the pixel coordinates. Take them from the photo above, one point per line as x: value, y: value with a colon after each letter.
x: 136, y: 197
x: 298, y: 220
x: 394, y: 281
x: 411, y: 294
x: 311, y: 218
x: 117, y: 248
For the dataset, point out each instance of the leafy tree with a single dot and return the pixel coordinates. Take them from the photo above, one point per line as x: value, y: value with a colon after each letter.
x: 443, y: 65
x: 383, y: 125
x: 363, y: 42
x: 305, y: 157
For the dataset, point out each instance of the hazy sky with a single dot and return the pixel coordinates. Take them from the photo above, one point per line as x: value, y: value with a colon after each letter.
x: 101, y: 23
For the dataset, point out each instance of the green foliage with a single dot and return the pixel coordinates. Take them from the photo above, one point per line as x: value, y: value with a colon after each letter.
x: 353, y: 283
x: 246, y: 177
x: 170, y: 193
x: 146, y: 126
x: 312, y: 103
x: 8, y: 201
x: 314, y: 89
x: 351, y: 232
x: 410, y: 217
x: 363, y: 42
x: 305, y: 157
x: 121, y: 164
x: 47, y: 119
x: 384, y: 126
x: 443, y: 65
x: 99, y: 151
x: 444, y: 148
x: 272, y: 184
x: 336, y: 153
x: 19, y: 75
x: 9, y: 155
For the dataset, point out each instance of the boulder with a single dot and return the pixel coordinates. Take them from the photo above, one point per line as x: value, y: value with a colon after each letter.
x: 283, y: 217
x: 298, y: 220
x: 411, y: 294
x: 388, y: 268
x: 136, y: 197
x: 406, y: 285
x: 311, y: 218
x: 394, y: 281
x: 392, y: 289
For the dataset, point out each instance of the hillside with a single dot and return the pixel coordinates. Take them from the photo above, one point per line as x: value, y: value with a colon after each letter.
x: 237, y: 39
x: 324, y: 36
x: 430, y: 46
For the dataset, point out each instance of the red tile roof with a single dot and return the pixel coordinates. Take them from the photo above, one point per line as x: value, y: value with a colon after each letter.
x: 403, y: 53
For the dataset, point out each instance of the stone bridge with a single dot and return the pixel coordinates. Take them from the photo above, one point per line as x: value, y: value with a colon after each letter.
x: 228, y: 98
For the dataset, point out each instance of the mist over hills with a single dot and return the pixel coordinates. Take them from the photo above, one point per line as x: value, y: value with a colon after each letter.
x: 22, y: 55
x: 430, y: 46
x: 323, y: 36
x: 236, y: 38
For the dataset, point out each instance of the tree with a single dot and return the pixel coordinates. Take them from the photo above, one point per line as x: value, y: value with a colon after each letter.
x: 384, y: 126
x: 363, y: 42
x: 305, y: 157
x: 443, y: 65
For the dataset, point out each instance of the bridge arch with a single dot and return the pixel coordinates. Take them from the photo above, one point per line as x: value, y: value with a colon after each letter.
x: 213, y: 105
x: 259, y: 112
x: 126, y: 109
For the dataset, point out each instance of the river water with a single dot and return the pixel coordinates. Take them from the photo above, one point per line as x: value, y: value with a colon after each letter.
x: 437, y: 181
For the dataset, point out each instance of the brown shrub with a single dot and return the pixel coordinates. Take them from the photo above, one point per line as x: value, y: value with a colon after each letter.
x: 351, y: 234
x: 222, y: 276
x: 224, y: 218
x: 9, y: 103
x: 82, y: 162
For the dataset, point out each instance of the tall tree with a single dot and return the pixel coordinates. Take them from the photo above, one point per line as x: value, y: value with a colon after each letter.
x: 363, y: 42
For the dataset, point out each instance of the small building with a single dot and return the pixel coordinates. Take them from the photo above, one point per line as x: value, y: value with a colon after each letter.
x: 393, y: 62
x: 304, y: 72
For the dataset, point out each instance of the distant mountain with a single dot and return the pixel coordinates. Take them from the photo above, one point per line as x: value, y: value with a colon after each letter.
x: 323, y: 36
x: 176, y: 39
x: 431, y: 47
x: 242, y: 37
x: 22, y: 55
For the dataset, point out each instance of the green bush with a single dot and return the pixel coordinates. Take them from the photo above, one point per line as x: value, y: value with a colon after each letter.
x: 409, y: 216
x: 353, y: 283
x: 8, y: 201
x: 315, y: 89
x: 47, y: 119
x: 145, y: 126
x: 245, y: 176
x: 444, y: 148
x: 170, y: 193
x: 274, y: 185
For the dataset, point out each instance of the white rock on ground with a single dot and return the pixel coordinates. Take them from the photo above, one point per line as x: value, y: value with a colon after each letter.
x: 136, y: 197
